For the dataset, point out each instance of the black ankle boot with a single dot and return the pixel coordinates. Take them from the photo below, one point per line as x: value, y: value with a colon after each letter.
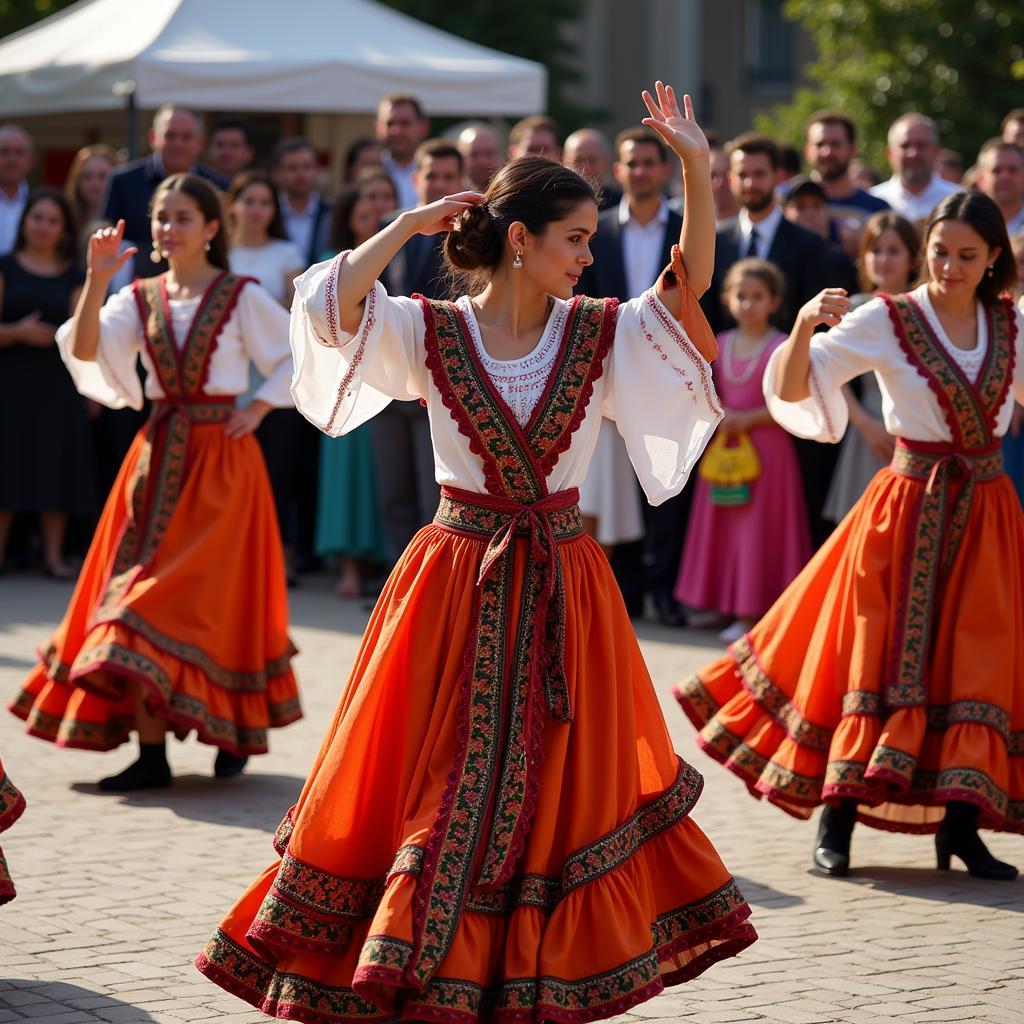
x: 150, y: 771
x: 958, y: 836
x: 226, y: 765
x: 832, y: 848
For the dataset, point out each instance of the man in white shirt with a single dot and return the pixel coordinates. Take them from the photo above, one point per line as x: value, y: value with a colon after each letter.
x: 914, y: 189
x: 481, y: 153
x: 16, y: 157
x: 1000, y: 175
x: 15, y: 162
x: 401, y: 126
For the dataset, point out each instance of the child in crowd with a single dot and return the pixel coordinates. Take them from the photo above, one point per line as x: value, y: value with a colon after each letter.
x: 743, y: 548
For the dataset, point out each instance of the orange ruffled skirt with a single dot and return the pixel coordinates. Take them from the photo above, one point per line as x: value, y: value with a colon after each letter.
x: 617, y: 893
x: 202, y: 625
x: 12, y: 805
x: 800, y: 708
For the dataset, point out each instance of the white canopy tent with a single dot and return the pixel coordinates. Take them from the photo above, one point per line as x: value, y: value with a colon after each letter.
x: 330, y: 56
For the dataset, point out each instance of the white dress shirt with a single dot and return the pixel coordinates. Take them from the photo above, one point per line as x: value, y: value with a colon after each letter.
x: 641, y: 247
x: 915, y: 206
x: 1015, y: 225
x: 11, y: 210
x: 402, y: 177
x: 300, y: 224
x: 765, y: 228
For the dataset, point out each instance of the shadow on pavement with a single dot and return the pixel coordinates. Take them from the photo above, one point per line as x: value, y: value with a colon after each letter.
x: 761, y: 895
x: 250, y: 801
x: 6, y: 661
x: 940, y: 886
x: 56, y: 1000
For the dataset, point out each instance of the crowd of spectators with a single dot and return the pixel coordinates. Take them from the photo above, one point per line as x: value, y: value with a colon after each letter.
x: 817, y: 219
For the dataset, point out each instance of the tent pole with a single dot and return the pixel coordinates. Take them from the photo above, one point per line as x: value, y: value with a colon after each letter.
x: 131, y: 124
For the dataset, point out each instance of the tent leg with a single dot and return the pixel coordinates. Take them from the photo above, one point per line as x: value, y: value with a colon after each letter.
x: 131, y: 125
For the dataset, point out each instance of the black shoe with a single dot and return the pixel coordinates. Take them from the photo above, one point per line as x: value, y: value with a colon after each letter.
x: 150, y: 771
x: 668, y: 611
x: 958, y: 836
x: 832, y: 848
x: 227, y: 765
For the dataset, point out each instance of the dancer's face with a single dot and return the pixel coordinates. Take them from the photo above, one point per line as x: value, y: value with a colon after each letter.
x: 178, y: 227
x: 554, y: 261
x: 958, y: 258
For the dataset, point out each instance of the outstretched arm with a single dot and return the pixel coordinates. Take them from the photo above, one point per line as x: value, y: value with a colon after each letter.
x: 365, y: 264
x: 681, y: 132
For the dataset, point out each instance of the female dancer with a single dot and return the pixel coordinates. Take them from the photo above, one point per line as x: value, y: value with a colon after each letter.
x: 12, y: 806
x: 179, y: 618
x: 888, y: 680
x: 889, y: 261
x: 496, y: 827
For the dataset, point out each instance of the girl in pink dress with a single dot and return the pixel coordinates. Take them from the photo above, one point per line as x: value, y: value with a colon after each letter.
x: 738, y: 558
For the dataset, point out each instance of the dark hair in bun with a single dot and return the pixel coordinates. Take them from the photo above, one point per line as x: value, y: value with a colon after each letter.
x: 531, y: 189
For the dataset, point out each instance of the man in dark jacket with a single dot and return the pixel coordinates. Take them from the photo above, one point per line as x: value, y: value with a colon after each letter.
x: 176, y: 140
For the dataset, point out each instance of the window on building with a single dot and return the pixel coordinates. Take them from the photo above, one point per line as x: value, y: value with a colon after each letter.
x: 769, y: 45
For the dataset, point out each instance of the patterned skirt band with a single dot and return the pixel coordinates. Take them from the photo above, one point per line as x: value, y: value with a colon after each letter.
x: 198, y: 408
x: 484, y: 515
x: 923, y: 461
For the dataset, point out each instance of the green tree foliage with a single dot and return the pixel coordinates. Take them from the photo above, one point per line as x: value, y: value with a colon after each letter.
x: 959, y: 61
x: 537, y: 29
x: 19, y: 14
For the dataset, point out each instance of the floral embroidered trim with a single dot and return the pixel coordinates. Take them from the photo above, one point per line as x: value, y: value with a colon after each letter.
x: 674, y: 330
x: 861, y: 702
x: 976, y: 712
x: 612, y: 850
x: 182, y: 711
x: 819, y: 400
x: 774, y: 701
x: 344, y: 388
x: 12, y: 803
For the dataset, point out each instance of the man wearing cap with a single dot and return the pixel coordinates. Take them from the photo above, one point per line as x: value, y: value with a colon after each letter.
x: 806, y: 203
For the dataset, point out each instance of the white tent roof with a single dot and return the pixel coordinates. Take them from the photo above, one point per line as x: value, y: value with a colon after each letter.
x: 329, y: 56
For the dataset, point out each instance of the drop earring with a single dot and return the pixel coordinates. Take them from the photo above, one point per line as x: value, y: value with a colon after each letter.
x: 206, y: 247
x: 155, y: 254
x: 517, y: 263
x: 991, y: 270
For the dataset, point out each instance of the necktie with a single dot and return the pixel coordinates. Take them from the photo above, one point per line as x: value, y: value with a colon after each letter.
x: 752, y: 243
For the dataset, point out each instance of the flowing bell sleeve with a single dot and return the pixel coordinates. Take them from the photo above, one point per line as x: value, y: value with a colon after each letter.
x: 264, y: 326
x: 342, y: 380
x: 856, y: 345
x: 659, y: 389
x: 112, y: 378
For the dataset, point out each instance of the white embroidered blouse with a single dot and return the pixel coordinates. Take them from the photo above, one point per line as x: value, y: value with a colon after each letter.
x: 656, y: 386
x: 865, y: 341
x: 256, y: 330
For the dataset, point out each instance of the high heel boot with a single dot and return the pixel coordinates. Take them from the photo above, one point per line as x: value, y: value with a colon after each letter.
x: 832, y: 847
x: 958, y: 836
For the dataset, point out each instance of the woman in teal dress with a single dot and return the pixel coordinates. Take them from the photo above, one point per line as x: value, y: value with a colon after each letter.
x: 348, y: 522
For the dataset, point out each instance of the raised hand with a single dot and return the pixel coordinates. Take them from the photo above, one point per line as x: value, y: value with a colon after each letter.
x: 104, y: 258
x: 440, y: 216
x: 677, y: 127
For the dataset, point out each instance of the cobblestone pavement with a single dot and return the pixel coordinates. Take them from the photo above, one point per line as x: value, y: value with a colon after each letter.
x: 117, y: 894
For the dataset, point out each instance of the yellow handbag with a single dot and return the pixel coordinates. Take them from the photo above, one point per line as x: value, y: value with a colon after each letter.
x: 730, y: 466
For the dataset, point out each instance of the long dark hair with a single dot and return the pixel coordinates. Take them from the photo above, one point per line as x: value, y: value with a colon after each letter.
x: 531, y: 189
x: 275, y: 229
x: 340, y: 236
x: 980, y: 213
x: 67, y: 247
x: 207, y: 198
x: 877, y: 225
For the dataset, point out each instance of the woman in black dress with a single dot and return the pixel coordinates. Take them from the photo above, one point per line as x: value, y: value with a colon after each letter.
x: 46, y: 457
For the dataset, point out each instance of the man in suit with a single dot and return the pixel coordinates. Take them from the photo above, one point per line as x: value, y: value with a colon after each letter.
x: 633, y: 244
x: 761, y: 230
x: 403, y: 454
x: 306, y: 214
x: 176, y: 139
x: 231, y: 148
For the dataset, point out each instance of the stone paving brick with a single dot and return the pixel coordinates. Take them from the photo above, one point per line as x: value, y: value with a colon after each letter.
x: 109, y: 934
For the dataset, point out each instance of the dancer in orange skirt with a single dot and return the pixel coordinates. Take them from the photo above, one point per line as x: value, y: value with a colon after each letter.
x: 179, y: 617
x: 496, y: 827
x: 888, y: 680
x: 12, y: 806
